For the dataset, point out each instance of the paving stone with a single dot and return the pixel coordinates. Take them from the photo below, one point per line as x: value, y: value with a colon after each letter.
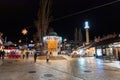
x: 88, y: 68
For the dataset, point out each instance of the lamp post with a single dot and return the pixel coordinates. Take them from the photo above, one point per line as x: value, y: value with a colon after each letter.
x: 65, y: 40
x: 87, y: 32
x: 19, y: 41
x: 24, y: 32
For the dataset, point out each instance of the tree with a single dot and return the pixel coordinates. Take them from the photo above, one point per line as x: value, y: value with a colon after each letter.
x: 76, y: 35
x: 80, y: 35
x: 44, y: 17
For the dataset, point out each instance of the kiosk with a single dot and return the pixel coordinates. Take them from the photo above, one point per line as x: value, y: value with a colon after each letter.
x: 52, y: 43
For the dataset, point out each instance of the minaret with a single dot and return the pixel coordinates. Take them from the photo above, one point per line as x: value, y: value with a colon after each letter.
x: 75, y: 35
x: 87, y: 32
x: 80, y: 35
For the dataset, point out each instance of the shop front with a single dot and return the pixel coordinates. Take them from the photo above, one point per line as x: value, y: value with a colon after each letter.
x: 109, y: 50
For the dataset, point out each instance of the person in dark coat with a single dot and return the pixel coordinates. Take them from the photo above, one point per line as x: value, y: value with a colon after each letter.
x: 35, y: 56
x: 27, y: 55
x: 3, y: 54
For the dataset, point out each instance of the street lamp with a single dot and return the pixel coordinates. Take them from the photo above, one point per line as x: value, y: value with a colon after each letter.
x: 19, y: 41
x: 65, y: 40
x: 24, y: 32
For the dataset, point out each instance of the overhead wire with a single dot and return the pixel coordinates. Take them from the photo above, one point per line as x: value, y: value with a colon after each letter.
x: 86, y: 10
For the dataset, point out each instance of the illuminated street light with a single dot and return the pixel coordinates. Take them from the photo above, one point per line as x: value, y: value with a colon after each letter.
x: 65, y: 40
x: 24, y: 32
x: 19, y: 41
x: 31, y: 41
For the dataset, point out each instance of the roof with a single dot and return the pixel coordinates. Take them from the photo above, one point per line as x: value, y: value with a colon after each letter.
x: 106, y: 42
x: 52, y: 34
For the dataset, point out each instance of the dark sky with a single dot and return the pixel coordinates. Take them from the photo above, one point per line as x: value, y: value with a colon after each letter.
x: 68, y: 14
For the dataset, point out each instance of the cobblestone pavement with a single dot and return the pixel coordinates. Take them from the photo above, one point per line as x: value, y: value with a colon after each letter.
x: 87, y: 68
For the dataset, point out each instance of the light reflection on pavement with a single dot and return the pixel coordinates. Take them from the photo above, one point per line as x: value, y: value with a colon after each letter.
x: 87, y: 68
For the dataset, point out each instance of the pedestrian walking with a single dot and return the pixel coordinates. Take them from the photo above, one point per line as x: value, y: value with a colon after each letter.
x: 27, y: 55
x: 48, y: 56
x: 35, y: 57
x: 3, y: 54
x: 23, y: 53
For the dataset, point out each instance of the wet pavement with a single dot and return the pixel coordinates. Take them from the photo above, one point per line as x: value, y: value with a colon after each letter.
x: 87, y: 68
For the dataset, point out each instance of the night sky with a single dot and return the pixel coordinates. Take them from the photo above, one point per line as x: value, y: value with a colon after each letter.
x: 67, y: 14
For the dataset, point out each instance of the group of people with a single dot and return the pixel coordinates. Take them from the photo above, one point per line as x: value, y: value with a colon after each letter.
x: 26, y: 54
